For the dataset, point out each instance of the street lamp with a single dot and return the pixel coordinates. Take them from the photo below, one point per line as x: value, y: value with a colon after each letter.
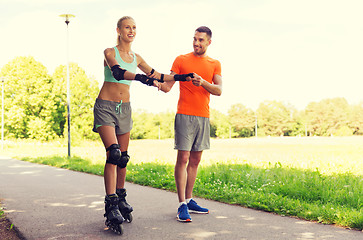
x: 67, y: 17
x: 256, y: 124
x: 2, y: 114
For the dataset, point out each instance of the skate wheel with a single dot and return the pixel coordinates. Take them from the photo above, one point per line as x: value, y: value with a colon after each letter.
x: 129, y: 217
x: 119, y: 229
x: 116, y: 228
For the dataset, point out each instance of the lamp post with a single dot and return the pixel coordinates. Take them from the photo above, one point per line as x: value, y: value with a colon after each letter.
x: 67, y: 17
x: 256, y: 125
x: 2, y: 114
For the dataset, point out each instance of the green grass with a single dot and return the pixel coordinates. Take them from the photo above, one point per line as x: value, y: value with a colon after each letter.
x: 73, y: 163
x: 318, y: 179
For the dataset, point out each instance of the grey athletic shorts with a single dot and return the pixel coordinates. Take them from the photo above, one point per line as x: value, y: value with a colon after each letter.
x: 192, y: 133
x: 115, y: 114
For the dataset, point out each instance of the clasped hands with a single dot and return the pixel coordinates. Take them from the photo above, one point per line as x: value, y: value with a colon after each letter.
x: 157, y: 78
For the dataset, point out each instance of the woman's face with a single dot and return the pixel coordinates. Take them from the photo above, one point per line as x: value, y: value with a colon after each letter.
x: 127, y: 31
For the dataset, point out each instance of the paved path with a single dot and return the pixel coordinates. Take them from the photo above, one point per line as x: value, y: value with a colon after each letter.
x: 50, y: 203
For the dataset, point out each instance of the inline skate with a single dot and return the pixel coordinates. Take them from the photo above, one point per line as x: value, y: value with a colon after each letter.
x: 124, y: 207
x: 113, y: 216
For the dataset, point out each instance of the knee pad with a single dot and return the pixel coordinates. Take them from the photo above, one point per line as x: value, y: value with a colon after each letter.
x: 114, y: 155
x: 123, y: 160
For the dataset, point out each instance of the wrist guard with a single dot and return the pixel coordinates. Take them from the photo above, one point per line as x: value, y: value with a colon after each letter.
x: 182, y: 77
x: 117, y: 72
x: 161, y: 77
x: 145, y: 79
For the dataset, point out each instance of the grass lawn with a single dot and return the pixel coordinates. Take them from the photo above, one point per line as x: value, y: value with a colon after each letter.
x: 319, y: 179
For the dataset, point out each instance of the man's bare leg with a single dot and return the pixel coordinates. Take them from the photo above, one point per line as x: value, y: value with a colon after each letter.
x: 192, y: 171
x: 180, y: 173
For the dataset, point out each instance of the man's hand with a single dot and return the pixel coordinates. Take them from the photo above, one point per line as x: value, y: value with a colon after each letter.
x: 183, y: 77
x: 197, y: 80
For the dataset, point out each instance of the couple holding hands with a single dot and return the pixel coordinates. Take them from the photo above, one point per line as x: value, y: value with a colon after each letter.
x: 198, y: 76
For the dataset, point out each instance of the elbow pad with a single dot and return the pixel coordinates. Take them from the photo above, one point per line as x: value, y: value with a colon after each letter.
x: 117, y: 72
x: 182, y: 77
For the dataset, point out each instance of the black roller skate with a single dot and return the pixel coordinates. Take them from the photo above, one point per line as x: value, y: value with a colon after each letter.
x: 124, y: 207
x: 113, y: 216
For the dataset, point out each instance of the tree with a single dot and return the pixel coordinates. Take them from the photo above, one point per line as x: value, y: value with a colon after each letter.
x: 35, y: 102
x: 35, y: 105
x: 152, y: 126
x: 243, y: 120
x: 356, y: 119
x: 84, y: 91
x: 29, y: 102
x: 326, y: 117
x: 275, y: 118
x: 138, y: 129
x: 298, y: 125
x: 164, y: 122
x: 220, y: 125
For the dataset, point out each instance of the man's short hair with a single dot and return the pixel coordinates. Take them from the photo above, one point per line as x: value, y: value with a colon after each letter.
x: 205, y: 30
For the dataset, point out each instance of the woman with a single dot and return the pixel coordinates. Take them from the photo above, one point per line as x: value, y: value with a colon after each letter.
x: 112, y: 116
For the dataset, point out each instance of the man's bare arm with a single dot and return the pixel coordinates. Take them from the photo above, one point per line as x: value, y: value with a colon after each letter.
x: 214, y: 88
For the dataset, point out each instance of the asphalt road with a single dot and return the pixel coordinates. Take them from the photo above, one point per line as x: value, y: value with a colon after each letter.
x: 50, y: 203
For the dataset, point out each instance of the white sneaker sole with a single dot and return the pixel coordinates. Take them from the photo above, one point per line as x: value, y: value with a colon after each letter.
x: 192, y: 211
x: 181, y: 220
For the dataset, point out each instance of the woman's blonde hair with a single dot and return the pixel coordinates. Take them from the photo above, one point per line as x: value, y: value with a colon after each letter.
x: 119, y: 24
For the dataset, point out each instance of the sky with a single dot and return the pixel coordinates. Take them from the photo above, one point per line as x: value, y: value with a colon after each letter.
x: 296, y: 52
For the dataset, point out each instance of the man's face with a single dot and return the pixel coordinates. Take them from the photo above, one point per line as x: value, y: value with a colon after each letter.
x: 201, y: 42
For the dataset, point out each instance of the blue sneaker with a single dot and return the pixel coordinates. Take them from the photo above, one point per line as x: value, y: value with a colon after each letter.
x: 183, y: 214
x: 195, y: 208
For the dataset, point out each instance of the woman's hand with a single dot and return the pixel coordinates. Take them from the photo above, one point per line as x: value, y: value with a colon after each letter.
x: 154, y: 74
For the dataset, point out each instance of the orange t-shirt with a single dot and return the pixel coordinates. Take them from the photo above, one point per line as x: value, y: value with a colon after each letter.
x: 194, y: 100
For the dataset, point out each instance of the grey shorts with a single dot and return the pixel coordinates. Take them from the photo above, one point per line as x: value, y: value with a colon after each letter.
x: 192, y: 133
x: 115, y: 114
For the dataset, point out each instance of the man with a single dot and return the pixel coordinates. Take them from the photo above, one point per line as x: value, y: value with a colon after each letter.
x: 192, y: 128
